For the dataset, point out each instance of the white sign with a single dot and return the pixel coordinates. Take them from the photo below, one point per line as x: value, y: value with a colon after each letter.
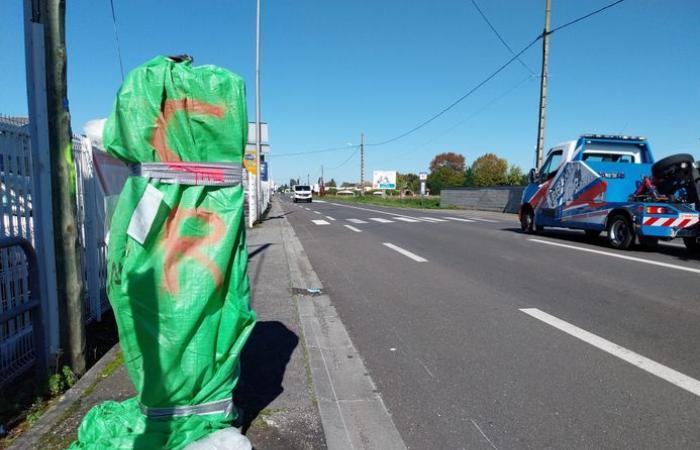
x: 384, y: 179
x: 423, y: 176
x: 252, y: 129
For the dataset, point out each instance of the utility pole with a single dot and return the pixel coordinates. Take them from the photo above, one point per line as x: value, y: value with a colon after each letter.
x: 258, y: 137
x: 51, y: 133
x: 362, y: 163
x: 322, y: 184
x: 308, y: 179
x: 543, y: 84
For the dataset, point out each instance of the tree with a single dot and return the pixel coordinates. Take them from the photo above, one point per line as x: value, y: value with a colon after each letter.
x: 444, y: 177
x: 331, y: 183
x: 515, y: 176
x: 452, y: 160
x: 409, y: 181
x: 489, y: 170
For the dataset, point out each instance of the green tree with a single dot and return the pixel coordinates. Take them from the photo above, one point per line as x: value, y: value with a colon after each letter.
x: 444, y: 177
x: 489, y: 170
x: 446, y: 170
x: 331, y: 183
x: 408, y: 181
x: 515, y: 176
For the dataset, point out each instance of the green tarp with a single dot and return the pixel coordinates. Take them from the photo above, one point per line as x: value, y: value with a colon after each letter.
x: 177, y: 260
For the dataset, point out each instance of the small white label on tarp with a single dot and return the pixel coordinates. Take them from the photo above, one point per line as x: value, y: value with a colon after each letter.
x: 145, y: 214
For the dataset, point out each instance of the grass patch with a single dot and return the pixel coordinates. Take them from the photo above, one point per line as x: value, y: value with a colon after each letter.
x: 405, y: 202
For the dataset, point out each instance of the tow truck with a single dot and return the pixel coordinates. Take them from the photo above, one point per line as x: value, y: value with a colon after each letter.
x: 611, y: 183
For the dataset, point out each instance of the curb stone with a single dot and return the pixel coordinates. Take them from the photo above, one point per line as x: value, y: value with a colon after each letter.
x: 353, y: 413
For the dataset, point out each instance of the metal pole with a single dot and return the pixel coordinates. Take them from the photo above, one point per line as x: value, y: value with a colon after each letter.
x: 362, y: 163
x: 543, y: 84
x: 258, y: 137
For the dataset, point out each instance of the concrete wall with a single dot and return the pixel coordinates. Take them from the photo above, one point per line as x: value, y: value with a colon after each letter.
x: 500, y: 198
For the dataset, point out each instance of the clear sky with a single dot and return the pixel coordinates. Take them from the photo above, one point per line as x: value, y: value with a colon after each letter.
x: 334, y: 69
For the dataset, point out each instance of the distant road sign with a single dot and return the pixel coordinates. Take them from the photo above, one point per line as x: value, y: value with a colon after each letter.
x: 423, y: 176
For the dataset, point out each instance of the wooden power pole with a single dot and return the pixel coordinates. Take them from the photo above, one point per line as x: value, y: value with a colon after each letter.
x: 543, y: 84
x: 49, y: 15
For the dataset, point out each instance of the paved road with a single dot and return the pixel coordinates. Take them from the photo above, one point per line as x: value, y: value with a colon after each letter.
x: 479, y: 336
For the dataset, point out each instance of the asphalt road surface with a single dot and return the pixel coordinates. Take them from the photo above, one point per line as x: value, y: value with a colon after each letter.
x: 480, y: 336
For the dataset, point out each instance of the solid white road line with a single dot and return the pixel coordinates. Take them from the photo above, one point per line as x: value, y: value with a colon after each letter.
x: 356, y: 221
x: 404, y: 252
x: 356, y: 230
x: 617, y: 255
x: 672, y: 376
x: 406, y: 219
x: 432, y: 219
x: 380, y: 220
x: 329, y: 218
x: 320, y: 222
x: 320, y: 201
x: 316, y: 212
x: 458, y: 219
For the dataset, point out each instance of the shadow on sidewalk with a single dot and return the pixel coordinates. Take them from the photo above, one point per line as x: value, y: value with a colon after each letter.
x: 263, y: 363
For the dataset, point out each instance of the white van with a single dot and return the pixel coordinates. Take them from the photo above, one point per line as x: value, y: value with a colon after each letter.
x: 302, y: 193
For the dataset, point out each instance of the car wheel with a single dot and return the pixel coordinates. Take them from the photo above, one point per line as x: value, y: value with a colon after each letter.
x: 620, y: 232
x: 527, y: 221
x: 692, y: 244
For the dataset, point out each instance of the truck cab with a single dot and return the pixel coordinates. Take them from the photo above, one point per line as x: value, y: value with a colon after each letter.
x: 597, y: 183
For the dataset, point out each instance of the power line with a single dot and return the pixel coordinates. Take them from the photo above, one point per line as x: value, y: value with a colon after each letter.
x: 492, y: 75
x: 460, y: 99
x: 593, y: 13
x: 346, y: 161
x: 500, y: 38
x: 515, y: 57
x: 311, y: 152
x: 116, y: 39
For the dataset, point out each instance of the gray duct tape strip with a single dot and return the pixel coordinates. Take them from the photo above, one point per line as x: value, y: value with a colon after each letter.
x: 224, y: 407
x: 192, y: 173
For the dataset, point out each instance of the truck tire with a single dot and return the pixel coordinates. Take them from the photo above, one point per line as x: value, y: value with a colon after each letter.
x: 620, y: 232
x: 692, y: 244
x: 527, y: 220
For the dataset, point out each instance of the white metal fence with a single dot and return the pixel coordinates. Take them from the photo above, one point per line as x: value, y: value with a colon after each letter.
x: 16, y: 186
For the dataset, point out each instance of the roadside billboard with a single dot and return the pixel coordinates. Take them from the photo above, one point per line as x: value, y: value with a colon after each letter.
x: 384, y: 179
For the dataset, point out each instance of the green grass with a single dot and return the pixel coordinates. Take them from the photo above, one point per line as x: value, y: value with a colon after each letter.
x: 405, y: 202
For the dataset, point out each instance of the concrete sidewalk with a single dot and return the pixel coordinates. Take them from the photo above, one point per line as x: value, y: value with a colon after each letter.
x: 275, y: 390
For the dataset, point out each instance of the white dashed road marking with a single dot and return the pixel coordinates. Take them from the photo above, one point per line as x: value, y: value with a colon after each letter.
x: 483, y: 220
x: 356, y: 221
x: 404, y: 252
x: 617, y: 255
x: 350, y: 227
x: 320, y: 222
x: 458, y: 219
x: 316, y: 212
x: 406, y: 219
x: 432, y: 219
x: 380, y: 220
x: 682, y: 381
x: 329, y: 218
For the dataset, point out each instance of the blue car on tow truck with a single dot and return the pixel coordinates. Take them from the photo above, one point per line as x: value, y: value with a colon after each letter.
x: 611, y: 183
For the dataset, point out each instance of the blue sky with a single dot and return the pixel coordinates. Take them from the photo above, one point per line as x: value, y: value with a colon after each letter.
x: 334, y: 69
